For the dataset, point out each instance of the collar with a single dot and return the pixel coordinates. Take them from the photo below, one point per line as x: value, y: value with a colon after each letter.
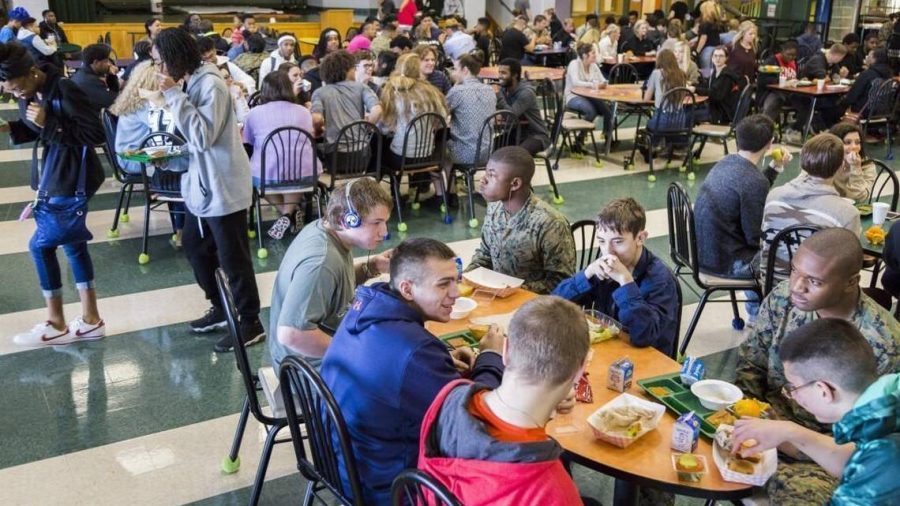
x: 643, y: 265
x: 814, y: 185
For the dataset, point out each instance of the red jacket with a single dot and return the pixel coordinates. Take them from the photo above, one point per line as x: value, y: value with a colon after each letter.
x: 482, y: 482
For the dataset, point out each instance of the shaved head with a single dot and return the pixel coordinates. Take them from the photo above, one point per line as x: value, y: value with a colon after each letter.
x: 841, y: 246
x: 516, y: 162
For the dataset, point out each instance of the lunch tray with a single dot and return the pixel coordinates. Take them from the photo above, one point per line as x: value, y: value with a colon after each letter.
x: 146, y: 158
x: 680, y: 400
x: 458, y: 338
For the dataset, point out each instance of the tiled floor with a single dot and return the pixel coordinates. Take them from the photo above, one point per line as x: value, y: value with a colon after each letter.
x: 148, y: 413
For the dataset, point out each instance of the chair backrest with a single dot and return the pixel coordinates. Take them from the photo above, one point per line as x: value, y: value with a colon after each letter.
x: 788, y: 239
x: 110, y: 123
x: 623, y: 73
x: 682, y: 238
x: 882, y: 97
x: 764, y: 54
x: 248, y: 377
x: 283, y: 153
x: 676, y: 112
x: 163, y: 181
x: 886, y: 184
x: 356, y: 145
x: 585, y: 234
x: 424, y: 142
x: 743, y: 104
x: 413, y: 487
x: 325, y: 426
x: 499, y: 130
x: 552, y: 109
x: 495, y: 50
x: 253, y: 101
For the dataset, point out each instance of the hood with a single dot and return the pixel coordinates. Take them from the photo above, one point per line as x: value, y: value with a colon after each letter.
x: 883, y: 70
x: 277, y: 55
x: 377, y: 303
x: 203, y: 73
x: 457, y: 434
x: 875, y: 415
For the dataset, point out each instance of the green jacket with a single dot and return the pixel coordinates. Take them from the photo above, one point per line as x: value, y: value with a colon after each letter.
x: 871, y: 475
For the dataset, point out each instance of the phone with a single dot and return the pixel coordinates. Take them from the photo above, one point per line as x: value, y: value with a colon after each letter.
x: 892, y: 215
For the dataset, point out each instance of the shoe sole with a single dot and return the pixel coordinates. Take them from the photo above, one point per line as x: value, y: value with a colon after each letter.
x: 209, y: 328
x: 256, y: 340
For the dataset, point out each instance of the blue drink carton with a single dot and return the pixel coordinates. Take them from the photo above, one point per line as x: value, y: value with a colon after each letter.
x: 692, y: 371
x: 686, y: 432
x: 620, y: 373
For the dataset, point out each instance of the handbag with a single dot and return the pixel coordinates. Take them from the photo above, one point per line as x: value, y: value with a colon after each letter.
x: 64, y: 220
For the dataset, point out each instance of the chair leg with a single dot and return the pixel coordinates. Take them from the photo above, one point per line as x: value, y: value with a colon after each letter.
x: 113, y: 232
x: 232, y: 462
x: 596, y: 149
x: 725, y: 145
x: 447, y: 218
x: 395, y: 183
x: 128, y: 201
x: 263, y: 465
x: 470, y: 196
x: 144, y: 257
x: 259, y: 220
x: 308, y: 496
x: 694, y: 320
x: 876, y: 269
x: 557, y: 198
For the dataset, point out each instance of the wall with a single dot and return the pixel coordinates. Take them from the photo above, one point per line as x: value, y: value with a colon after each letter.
x: 345, y: 4
x: 34, y: 7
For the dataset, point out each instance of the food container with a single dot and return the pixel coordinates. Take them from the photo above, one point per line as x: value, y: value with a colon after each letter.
x: 692, y: 370
x: 716, y: 394
x: 620, y: 373
x: 600, y: 326
x: 762, y: 471
x: 462, y: 307
x: 492, y: 282
x: 689, y: 466
x: 686, y: 432
x: 618, y: 437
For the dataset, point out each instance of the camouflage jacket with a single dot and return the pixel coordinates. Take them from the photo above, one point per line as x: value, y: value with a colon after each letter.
x: 870, y: 476
x: 759, y: 371
x: 534, y: 244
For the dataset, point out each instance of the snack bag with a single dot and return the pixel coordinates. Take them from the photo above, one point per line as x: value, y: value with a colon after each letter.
x: 583, y: 392
x: 692, y: 371
x: 686, y: 432
x: 620, y: 373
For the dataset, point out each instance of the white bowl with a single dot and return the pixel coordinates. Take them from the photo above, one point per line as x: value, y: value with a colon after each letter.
x: 716, y: 394
x: 462, y: 307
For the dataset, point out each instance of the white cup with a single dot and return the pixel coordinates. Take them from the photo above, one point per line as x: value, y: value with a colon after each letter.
x: 820, y: 85
x: 620, y: 57
x: 879, y: 212
x: 781, y: 81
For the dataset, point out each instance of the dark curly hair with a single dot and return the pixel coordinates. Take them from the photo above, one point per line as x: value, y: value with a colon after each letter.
x: 335, y: 66
x: 178, y: 51
x: 15, y: 61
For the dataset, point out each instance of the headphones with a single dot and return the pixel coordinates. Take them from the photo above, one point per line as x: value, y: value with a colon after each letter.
x: 350, y: 218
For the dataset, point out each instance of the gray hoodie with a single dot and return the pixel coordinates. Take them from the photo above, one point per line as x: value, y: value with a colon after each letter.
x: 217, y: 182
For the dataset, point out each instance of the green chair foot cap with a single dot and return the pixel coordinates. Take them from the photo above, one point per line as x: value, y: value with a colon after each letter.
x: 696, y: 161
x: 143, y: 258
x: 402, y: 227
x: 629, y: 166
x: 683, y: 168
x: 473, y: 223
x: 112, y: 234
x: 416, y: 206
x: 559, y: 200
x: 578, y: 156
x: 651, y: 178
x: 124, y: 218
x: 262, y: 253
x: 691, y: 176
x: 599, y: 164
x: 251, y: 234
x: 231, y: 466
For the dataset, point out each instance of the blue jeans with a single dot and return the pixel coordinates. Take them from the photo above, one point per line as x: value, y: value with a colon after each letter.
x: 48, y: 271
x: 590, y: 108
x: 745, y: 270
x: 706, y: 56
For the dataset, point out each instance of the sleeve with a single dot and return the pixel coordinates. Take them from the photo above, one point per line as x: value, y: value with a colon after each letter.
x: 202, y: 123
x: 370, y: 99
x: 238, y: 74
x: 42, y: 46
x: 643, y: 311
x: 814, y: 68
x: 80, y: 124
x: 572, y: 75
x: 859, y: 183
x: 317, y: 107
x: 574, y: 288
x: 130, y: 131
x: 753, y: 204
x: 482, y: 255
x: 305, y: 304
x: 523, y: 103
x: 22, y: 130
x: 870, y: 474
x: 264, y: 69
x: 753, y: 360
x: 558, y: 250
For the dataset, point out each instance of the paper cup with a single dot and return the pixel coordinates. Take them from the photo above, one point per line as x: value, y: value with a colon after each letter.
x: 879, y: 212
x: 820, y: 85
x: 620, y: 57
x: 781, y: 81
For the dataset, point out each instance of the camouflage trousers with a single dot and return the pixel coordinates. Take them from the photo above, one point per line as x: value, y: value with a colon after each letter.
x: 800, y: 483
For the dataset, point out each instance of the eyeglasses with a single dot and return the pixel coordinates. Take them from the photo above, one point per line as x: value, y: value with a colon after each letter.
x: 789, y: 391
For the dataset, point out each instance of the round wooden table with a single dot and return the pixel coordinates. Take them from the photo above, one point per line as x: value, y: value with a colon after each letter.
x: 532, y: 73
x: 647, y: 461
x: 634, y: 60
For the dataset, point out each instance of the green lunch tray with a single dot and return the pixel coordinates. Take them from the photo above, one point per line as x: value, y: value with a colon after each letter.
x: 146, y: 158
x: 458, y: 339
x: 680, y: 399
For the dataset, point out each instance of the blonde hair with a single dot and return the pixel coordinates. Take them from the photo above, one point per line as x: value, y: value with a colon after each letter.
x: 639, y: 24
x: 710, y: 12
x: 143, y: 77
x: 743, y: 28
x: 685, y: 62
x: 405, y: 93
x: 610, y: 29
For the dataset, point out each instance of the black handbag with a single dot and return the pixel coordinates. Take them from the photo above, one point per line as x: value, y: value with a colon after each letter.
x: 64, y: 220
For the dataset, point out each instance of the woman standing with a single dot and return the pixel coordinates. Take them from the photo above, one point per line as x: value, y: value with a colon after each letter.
x: 406, y: 15
x: 709, y: 31
x: 56, y: 112
x: 742, y: 60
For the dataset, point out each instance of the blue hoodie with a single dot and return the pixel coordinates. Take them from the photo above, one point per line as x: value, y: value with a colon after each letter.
x: 385, y: 369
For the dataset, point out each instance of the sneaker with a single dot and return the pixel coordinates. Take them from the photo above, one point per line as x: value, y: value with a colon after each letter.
x: 281, y: 225
x: 82, y: 331
x: 212, y: 320
x: 251, y: 332
x: 298, y: 223
x: 43, y: 334
x: 792, y: 136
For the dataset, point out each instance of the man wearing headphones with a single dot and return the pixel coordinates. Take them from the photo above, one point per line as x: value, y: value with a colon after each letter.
x: 317, y: 277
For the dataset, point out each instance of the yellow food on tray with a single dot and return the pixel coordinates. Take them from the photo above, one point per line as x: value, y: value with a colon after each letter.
x: 465, y: 290
x: 720, y: 417
x: 660, y: 391
x: 875, y: 235
x: 479, y: 331
x: 749, y: 407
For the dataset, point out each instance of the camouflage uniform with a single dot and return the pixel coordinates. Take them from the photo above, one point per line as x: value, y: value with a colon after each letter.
x: 534, y: 244
x: 760, y: 374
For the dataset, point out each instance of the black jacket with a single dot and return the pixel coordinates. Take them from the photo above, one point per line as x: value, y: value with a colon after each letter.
x: 77, y: 125
x: 859, y: 93
x: 817, y: 67
x: 723, y: 91
x: 637, y: 46
x: 101, y: 91
x: 55, y: 30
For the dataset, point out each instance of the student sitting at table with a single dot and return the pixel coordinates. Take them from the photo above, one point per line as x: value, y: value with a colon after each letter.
x: 877, y: 71
x: 584, y: 71
x: 490, y: 447
x: 522, y: 236
x: 637, y: 42
x: 855, y: 178
x: 385, y: 368
x: 317, y: 276
x: 827, y: 66
x: 627, y: 281
x: 809, y: 199
x: 824, y: 283
x: 831, y: 372
x: 682, y: 53
x: 519, y: 97
x: 608, y: 46
x: 666, y: 76
x: 772, y: 101
x: 854, y: 60
x: 723, y: 87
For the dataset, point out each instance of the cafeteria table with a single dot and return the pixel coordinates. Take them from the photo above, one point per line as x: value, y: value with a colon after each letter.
x: 812, y: 93
x: 532, y: 73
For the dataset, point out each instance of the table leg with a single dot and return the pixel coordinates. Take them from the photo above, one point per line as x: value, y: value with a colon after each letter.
x: 812, y: 112
x: 625, y: 493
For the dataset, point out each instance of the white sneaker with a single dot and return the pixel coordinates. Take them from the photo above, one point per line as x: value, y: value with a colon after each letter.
x: 43, y: 334
x: 81, y: 331
x: 792, y: 136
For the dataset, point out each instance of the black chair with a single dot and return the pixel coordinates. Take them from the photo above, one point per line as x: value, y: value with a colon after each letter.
x: 301, y: 384
x: 494, y: 51
x: 552, y: 114
x: 673, y: 353
x: 253, y: 383
x: 424, y: 156
x: 786, y: 241
x: 585, y: 234
x: 413, y: 487
x: 163, y: 187
x: 253, y: 101
x: 622, y: 73
x: 684, y: 253
x: 355, y: 153
x: 706, y: 131
x: 499, y: 130
x: 675, y: 121
x: 886, y: 184
x: 287, y: 146
x: 879, y: 109
x: 128, y: 180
